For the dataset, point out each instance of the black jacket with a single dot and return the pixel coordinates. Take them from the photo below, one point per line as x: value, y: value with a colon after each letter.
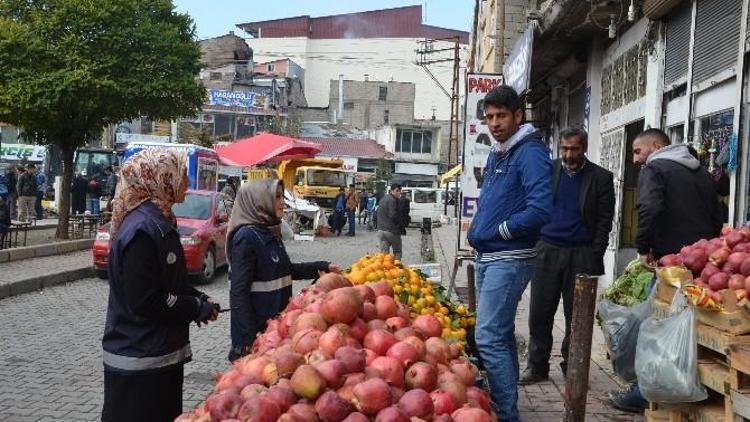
x: 597, y: 205
x: 26, y: 185
x: 404, y: 208
x: 151, y: 303
x: 260, y: 283
x: 388, y: 215
x: 677, y: 203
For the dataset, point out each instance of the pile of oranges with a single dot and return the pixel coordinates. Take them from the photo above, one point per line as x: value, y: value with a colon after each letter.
x: 412, y: 288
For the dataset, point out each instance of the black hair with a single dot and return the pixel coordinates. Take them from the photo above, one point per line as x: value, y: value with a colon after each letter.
x: 394, y: 186
x: 657, y: 134
x: 341, y: 189
x: 577, y: 133
x: 503, y: 96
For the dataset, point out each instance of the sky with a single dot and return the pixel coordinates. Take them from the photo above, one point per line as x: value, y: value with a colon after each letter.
x: 218, y: 17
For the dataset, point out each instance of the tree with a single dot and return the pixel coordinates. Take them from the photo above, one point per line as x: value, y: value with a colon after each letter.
x: 284, y: 125
x: 188, y: 133
x: 68, y: 68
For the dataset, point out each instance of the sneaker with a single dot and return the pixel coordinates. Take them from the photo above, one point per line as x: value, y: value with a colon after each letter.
x: 628, y: 400
x: 529, y: 377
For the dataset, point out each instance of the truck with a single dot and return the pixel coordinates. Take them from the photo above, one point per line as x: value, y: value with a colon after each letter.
x: 202, y: 165
x: 316, y: 180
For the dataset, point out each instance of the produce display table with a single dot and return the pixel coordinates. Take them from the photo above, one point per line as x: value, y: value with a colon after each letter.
x: 723, y: 365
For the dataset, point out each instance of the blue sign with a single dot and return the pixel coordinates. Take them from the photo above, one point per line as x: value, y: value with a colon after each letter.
x: 231, y: 98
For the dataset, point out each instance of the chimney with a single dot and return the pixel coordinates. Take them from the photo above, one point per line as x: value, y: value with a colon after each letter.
x: 367, y: 77
x: 231, y: 32
x: 340, y: 117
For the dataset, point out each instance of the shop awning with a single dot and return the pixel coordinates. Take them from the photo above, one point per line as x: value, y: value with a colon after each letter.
x: 265, y: 147
x: 450, y: 174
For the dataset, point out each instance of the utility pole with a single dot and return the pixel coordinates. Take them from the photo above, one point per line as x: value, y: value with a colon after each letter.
x: 428, y: 55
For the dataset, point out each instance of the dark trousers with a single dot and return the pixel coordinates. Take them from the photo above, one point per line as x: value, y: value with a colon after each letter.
x: 351, y: 221
x: 147, y: 396
x: 556, y: 269
x: 38, y: 205
x: 338, y: 221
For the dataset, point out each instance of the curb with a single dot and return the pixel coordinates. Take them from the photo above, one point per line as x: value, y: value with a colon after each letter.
x: 45, y: 249
x: 28, y: 285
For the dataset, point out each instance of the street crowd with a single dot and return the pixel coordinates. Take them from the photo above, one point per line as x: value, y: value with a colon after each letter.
x: 538, y: 221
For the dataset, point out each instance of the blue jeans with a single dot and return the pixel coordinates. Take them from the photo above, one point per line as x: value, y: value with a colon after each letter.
x: 351, y: 221
x: 499, y: 286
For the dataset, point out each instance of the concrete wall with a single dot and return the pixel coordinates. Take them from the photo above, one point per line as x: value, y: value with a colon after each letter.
x: 363, y: 107
x: 501, y: 22
x: 380, y: 58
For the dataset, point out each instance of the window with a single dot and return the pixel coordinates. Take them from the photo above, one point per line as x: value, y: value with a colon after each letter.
x: 425, y: 196
x: 414, y: 141
x: 386, y: 117
x: 195, y: 207
x: 382, y: 93
x: 348, y: 105
x: 215, y: 76
x: 270, y: 67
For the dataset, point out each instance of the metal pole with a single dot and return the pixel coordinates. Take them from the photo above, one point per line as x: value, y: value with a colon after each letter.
x: 579, y: 356
x: 472, y: 287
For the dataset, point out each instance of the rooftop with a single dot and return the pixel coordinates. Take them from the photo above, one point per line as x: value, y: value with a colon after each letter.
x: 346, y: 147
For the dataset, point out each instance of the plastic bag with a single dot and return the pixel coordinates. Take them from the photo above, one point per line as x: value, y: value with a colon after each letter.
x: 666, y: 357
x: 620, y: 326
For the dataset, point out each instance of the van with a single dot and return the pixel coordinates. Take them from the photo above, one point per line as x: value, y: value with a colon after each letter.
x: 425, y: 203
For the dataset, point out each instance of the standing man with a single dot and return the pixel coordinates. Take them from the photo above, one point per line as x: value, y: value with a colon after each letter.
x: 389, y: 222
x: 362, y: 206
x: 339, y: 207
x: 514, y: 204
x: 573, y: 242
x: 230, y: 188
x: 370, y: 211
x: 41, y: 190
x: 677, y: 205
x: 12, y: 180
x: 404, y: 208
x: 352, y: 201
x: 27, y: 193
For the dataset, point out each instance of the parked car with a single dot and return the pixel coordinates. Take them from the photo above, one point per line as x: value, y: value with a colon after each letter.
x: 425, y: 202
x: 202, y: 222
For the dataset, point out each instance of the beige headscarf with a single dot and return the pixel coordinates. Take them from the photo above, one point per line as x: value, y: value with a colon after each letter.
x: 255, y: 205
x: 154, y: 175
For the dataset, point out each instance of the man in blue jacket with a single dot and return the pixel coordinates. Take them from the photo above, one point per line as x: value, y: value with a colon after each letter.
x: 514, y: 204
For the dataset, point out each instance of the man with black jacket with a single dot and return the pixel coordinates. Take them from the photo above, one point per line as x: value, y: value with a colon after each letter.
x: 573, y: 242
x: 677, y: 205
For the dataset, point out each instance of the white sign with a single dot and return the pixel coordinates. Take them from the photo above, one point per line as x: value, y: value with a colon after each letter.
x: 413, y: 168
x: 350, y: 163
x: 126, y: 138
x: 477, y: 144
x: 18, y: 152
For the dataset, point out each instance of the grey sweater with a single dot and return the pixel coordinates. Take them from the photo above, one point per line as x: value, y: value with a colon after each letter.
x: 388, y: 216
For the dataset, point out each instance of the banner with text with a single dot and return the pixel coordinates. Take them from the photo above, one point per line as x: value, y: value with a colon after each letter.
x: 477, y: 145
x: 23, y: 152
x: 232, y: 98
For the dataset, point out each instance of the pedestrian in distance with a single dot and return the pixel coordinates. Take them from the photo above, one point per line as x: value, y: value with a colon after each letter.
x: 12, y: 180
x: 370, y: 211
x: 78, y: 193
x: 404, y: 213
x: 677, y: 205
x: 230, y: 188
x: 389, y: 222
x: 41, y: 190
x: 352, y: 201
x: 339, y: 211
x: 362, y: 207
x: 151, y: 304
x: 27, y: 191
x: 261, y: 273
x: 573, y: 242
x: 514, y: 204
x: 4, y: 186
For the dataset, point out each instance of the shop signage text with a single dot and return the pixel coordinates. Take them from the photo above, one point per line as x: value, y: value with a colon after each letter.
x: 232, y: 98
x: 18, y: 152
x: 517, y: 69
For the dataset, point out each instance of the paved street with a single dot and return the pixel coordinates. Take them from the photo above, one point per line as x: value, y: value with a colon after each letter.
x: 50, y: 361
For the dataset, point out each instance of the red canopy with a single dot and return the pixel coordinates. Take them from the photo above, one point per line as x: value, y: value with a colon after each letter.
x: 265, y: 147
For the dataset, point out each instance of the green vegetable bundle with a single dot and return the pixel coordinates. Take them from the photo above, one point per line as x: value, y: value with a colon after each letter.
x: 630, y: 287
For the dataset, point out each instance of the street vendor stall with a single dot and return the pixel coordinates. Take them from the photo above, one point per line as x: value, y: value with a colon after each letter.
x: 692, y: 358
x: 381, y: 342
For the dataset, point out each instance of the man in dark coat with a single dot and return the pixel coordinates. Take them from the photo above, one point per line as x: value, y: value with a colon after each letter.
x: 404, y: 207
x: 573, y: 242
x: 78, y: 193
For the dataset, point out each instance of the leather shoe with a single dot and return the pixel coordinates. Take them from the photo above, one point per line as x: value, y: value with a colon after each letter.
x: 529, y: 377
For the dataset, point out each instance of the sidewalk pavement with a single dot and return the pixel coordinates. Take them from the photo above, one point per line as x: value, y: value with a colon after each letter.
x: 543, y: 401
x: 28, y: 275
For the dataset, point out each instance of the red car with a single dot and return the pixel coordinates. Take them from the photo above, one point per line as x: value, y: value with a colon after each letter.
x: 202, y: 222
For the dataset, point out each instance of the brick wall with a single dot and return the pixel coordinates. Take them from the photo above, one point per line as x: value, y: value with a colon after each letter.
x: 364, y: 108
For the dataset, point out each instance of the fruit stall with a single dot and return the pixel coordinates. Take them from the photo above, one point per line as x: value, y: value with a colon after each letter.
x: 379, y: 342
x: 714, y: 277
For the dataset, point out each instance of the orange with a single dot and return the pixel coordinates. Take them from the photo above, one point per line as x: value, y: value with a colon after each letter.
x: 356, y: 277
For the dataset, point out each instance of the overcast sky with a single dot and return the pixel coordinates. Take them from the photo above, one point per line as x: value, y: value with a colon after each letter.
x: 218, y: 17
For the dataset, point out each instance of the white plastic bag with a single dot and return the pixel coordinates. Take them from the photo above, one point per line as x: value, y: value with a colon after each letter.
x: 666, y: 357
x: 620, y: 326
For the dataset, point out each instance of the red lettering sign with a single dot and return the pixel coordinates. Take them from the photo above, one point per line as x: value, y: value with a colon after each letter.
x: 483, y: 84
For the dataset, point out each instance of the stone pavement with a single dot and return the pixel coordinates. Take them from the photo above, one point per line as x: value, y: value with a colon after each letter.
x: 50, y: 359
x: 50, y: 353
x: 28, y: 275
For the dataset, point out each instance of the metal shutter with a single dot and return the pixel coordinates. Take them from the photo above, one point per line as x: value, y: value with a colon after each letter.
x: 678, y: 43
x: 717, y: 32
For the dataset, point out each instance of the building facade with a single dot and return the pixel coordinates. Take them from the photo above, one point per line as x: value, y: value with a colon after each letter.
x: 370, y: 104
x: 674, y: 65
x: 380, y: 44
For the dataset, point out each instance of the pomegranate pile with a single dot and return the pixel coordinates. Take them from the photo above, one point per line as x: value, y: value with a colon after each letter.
x: 718, y: 264
x: 348, y: 353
